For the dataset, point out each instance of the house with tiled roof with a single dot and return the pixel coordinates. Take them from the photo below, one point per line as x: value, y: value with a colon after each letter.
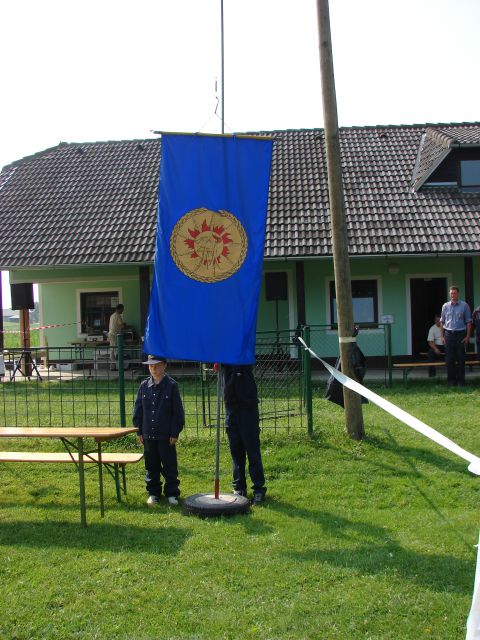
x: 79, y: 219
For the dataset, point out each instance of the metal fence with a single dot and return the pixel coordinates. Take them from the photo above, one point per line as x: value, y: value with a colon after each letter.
x: 90, y: 385
x: 373, y: 339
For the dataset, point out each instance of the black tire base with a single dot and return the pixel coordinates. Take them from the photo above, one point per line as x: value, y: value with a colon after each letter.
x: 206, y: 505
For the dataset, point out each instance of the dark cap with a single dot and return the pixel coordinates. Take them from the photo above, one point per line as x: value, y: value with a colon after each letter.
x: 155, y: 360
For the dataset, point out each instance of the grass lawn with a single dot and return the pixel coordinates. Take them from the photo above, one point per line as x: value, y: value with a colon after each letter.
x: 356, y: 540
x: 12, y: 337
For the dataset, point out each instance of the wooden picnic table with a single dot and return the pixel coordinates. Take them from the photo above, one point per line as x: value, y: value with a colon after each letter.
x: 73, y: 440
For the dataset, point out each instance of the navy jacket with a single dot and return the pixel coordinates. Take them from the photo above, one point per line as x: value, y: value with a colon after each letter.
x: 158, y: 411
x: 239, y: 387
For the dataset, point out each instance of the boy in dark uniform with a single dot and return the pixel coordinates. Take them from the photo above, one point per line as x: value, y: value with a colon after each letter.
x: 243, y: 428
x: 158, y: 414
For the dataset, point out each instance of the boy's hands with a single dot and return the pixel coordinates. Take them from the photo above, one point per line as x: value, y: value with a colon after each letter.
x: 173, y: 441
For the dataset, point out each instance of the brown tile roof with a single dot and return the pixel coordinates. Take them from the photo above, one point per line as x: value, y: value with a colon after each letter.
x: 74, y: 204
x: 95, y: 203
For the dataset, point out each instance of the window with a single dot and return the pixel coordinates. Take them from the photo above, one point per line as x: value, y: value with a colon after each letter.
x: 364, y: 299
x: 461, y: 168
x: 470, y: 174
x: 95, y: 309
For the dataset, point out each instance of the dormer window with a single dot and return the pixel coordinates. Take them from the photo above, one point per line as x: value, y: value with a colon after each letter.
x: 470, y: 175
x: 448, y: 157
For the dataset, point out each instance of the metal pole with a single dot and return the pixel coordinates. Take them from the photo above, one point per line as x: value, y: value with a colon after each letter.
x: 343, y: 287
x: 202, y: 391
x: 308, y: 381
x: 388, y: 328
x: 2, y: 337
x: 121, y: 379
x: 217, y: 446
x: 223, y: 67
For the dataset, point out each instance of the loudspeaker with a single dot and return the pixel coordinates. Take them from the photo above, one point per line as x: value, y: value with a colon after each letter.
x: 22, y: 296
x: 276, y: 285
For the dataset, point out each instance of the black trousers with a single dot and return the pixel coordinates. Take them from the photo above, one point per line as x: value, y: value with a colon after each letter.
x: 161, y: 458
x: 455, y: 356
x: 243, y: 432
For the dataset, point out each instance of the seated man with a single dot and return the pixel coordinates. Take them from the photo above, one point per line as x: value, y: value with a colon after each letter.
x: 436, y: 348
x: 476, y: 326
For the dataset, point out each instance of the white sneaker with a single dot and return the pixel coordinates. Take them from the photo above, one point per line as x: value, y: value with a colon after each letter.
x: 152, y: 501
x: 172, y: 501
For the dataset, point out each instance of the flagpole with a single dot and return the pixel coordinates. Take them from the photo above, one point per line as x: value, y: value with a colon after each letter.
x: 217, y: 447
x: 223, y: 66
x: 219, y: 371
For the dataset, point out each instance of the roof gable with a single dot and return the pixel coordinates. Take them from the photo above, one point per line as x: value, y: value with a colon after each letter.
x: 437, y: 143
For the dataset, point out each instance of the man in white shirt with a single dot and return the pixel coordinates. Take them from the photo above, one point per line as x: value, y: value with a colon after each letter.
x: 435, y: 343
x: 115, y: 326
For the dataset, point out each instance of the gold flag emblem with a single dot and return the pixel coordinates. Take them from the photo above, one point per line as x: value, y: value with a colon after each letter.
x: 208, y: 246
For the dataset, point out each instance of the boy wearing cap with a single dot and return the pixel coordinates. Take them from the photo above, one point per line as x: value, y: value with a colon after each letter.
x: 159, y: 416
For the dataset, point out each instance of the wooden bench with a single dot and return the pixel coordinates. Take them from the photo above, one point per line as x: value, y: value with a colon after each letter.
x: 113, y: 462
x: 406, y: 367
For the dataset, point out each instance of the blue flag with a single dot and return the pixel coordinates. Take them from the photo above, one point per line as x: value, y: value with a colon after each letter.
x: 212, y: 210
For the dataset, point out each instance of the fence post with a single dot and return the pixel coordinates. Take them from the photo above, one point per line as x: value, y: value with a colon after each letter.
x: 307, y: 373
x: 121, y: 379
x: 203, y: 377
x: 388, y: 328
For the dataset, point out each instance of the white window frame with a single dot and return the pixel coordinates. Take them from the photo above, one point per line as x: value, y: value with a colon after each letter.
x: 328, y: 315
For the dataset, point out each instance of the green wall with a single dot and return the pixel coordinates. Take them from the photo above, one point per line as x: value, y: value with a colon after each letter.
x: 393, y: 295
x: 287, y: 309
x: 59, y: 297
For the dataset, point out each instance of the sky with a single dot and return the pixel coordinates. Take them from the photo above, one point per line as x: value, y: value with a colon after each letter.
x: 86, y: 70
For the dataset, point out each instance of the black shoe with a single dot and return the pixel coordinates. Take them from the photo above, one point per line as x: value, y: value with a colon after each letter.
x: 258, y: 498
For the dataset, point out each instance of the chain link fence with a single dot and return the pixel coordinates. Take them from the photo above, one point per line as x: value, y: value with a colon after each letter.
x: 89, y: 384
x: 373, y: 340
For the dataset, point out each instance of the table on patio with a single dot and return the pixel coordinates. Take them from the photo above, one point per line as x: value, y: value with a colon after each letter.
x: 73, y: 440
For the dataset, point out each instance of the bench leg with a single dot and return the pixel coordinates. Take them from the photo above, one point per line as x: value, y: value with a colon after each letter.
x: 405, y: 375
x: 100, y: 479
x: 81, y: 477
x: 117, y: 482
x: 124, y: 476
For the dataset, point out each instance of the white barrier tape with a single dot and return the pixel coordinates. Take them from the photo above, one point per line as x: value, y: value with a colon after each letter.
x: 473, y: 621
x: 347, y: 339
x: 400, y: 414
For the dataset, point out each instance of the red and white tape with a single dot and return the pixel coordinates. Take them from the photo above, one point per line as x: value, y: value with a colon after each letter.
x: 46, y: 326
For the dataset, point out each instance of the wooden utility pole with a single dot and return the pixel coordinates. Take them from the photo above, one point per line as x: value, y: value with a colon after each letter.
x: 341, y: 264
